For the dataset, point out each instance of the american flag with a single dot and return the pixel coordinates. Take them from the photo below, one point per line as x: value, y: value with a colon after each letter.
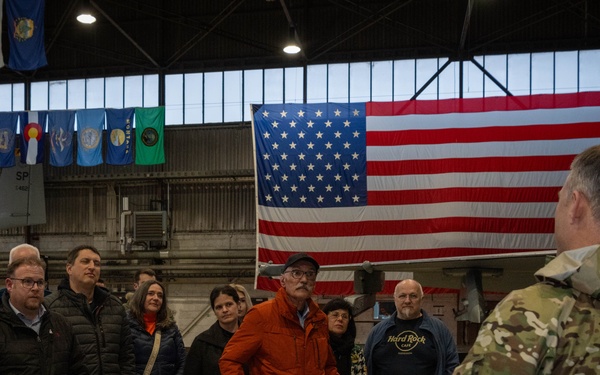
x: 413, y: 180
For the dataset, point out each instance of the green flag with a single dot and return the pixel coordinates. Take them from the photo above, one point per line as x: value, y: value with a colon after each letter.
x: 149, y: 131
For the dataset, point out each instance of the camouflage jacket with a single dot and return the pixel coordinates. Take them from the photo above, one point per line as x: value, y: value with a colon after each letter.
x: 552, y: 327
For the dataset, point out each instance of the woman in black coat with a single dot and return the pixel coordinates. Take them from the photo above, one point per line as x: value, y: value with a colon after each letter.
x: 204, y: 354
x: 349, y: 357
x: 148, y: 313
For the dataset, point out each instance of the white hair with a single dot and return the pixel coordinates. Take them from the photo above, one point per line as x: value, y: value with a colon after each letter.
x: 23, y: 250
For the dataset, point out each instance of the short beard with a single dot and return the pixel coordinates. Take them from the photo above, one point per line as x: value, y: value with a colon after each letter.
x: 406, y: 313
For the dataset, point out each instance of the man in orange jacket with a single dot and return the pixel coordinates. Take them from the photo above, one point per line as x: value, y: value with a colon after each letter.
x: 286, y: 335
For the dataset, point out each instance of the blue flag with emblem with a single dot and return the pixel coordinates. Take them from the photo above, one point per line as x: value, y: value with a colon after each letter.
x: 61, y: 126
x: 25, y: 20
x: 1, y: 56
x: 119, y: 130
x: 8, y: 129
x: 90, y: 123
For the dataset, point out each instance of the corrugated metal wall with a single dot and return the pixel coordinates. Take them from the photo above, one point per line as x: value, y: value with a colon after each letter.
x: 200, y: 150
x: 206, y: 184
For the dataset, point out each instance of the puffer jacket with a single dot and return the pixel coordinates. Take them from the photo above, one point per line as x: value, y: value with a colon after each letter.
x: 171, y: 352
x: 104, y: 334
x: 206, y: 350
x: 23, y: 352
x: 548, y: 328
x: 272, y: 341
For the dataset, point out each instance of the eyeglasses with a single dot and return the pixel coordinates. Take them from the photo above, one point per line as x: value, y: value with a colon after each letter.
x: 297, y: 274
x: 28, y: 283
x: 336, y: 316
x: 411, y: 296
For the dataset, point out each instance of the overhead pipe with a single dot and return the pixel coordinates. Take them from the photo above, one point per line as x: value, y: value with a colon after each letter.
x: 248, y: 254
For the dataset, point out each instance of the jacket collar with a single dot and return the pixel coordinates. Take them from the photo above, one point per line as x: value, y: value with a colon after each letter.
x: 290, y: 310
x: 579, y: 268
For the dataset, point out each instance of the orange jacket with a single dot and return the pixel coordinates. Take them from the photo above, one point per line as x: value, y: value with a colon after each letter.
x: 271, y: 341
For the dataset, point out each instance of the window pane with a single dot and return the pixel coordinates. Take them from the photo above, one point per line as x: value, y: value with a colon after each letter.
x: 496, y: 66
x: 76, y: 93
x: 425, y: 69
x: 589, y: 70
x: 58, y: 94
x: 273, y: 85
x: 39, y: 96
x: 382, y: 81
x: 542, y: 73
x: 360, y: 82
x: 95, y: 93
x: 448, y: 81
x: 337, y: 83
x: 404, y: 79
x: 192, y: 113
x: 6, y: 98
x: 566, y: 72
x: 253, y: 90
x: 213, y: 97
x: 114, y: 92
x: 174, y: 99
x: 316, y: 91
x: 151, y: 90
x: 233, y: 96
x: 473, y: 79
x: 18, y: 97
x: 518, y: 74
x: 294, y: 85
x: 133, y: 91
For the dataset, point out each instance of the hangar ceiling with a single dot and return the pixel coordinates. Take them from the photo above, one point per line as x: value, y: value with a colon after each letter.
x: 161, y: 36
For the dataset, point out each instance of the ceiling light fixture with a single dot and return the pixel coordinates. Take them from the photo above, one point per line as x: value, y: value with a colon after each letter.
x: 292, y: 47
x: 85, y: 13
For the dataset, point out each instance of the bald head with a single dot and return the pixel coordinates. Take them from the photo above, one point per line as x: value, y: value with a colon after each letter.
x: 408, y: 297
x: 23, y: 250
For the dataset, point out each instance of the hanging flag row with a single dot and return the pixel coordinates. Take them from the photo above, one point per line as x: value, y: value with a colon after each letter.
x: 25, y: 21
x: 59, y: 127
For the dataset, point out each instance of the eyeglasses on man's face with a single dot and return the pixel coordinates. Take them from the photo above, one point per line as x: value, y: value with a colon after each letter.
x: 411, y: 296
x: 28, y: 283
x: 297, y: 274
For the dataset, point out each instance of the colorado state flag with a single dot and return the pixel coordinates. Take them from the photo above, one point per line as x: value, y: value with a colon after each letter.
x: 33, y: 126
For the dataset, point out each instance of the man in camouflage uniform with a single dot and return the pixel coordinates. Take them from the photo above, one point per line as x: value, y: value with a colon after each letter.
x: 553, y: 327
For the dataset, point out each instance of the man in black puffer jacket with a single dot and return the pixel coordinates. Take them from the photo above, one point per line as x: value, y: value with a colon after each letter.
x: 34, y: 341
x: 98, y: 318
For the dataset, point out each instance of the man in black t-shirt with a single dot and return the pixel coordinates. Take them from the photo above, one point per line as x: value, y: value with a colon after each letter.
x: 410, y: 342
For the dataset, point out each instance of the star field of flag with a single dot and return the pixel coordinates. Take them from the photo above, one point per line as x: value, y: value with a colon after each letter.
x: 311, y: 155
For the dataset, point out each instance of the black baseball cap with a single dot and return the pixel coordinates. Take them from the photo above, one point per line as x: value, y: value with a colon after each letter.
x: 298, y: 257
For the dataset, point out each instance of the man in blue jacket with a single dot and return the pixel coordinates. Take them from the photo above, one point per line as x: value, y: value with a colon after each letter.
x: 410, y: 341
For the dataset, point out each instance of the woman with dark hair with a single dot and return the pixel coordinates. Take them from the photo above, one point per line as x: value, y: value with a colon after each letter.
x: 154, y: 331
x: 350, y: 358
x: 204, y: 354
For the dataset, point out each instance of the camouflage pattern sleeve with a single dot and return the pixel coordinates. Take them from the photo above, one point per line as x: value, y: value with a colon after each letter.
x: 521, y: 335
x: 359, y: 364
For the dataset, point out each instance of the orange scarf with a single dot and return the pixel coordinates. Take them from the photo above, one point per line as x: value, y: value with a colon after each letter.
x: 150, y: 323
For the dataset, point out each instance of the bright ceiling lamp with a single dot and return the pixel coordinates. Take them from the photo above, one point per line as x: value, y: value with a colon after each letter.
x: 292, y: 47
x: 85, y: 13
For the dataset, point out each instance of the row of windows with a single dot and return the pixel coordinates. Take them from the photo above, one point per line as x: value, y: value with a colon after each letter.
x: 217, y: 97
